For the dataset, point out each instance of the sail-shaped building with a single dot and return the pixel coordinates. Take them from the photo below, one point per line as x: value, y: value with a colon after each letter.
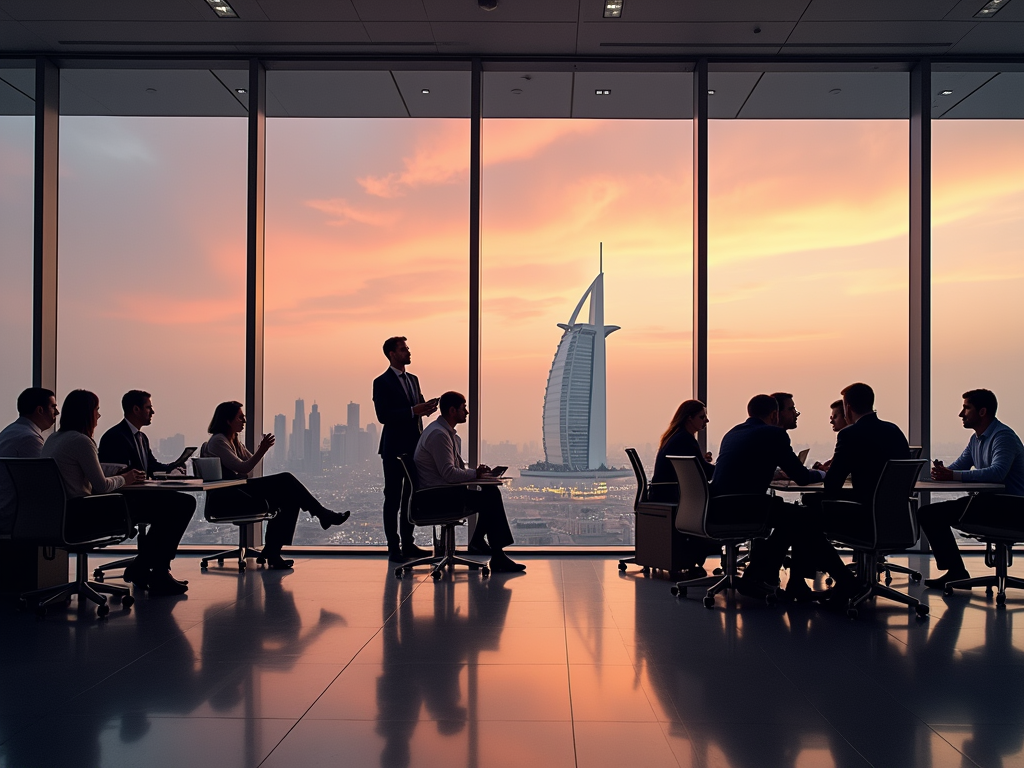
x: 575, y: 400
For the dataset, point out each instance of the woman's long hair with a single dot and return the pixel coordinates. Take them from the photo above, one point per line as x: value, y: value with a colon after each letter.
x: 223, y: 415
x: 76, y: 412
x: 686, y: 410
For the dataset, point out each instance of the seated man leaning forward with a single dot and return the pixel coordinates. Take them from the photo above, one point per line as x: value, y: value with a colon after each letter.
x: 439, y: 462
x: 993, y: 455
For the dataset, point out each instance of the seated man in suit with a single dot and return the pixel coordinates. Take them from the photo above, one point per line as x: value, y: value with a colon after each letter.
x: 838, y: 421
x: 993, y: 455
x: 23, y: 439
x: 747, y: 459
x: 168, y: 513
x: 439, y: 462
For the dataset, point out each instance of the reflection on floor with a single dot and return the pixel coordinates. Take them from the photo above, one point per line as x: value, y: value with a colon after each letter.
x: 571, y: 664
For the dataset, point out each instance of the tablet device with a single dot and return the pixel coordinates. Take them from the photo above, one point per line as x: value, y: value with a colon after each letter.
x: 803, y: 455
x: 185, y: 456
x: 498, y: 471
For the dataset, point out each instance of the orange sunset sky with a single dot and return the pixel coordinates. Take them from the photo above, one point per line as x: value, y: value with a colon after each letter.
x: 366, y: 237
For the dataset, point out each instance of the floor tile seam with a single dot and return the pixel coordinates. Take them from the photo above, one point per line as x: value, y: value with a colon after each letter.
x: 568, y: 682
x: 953, y: 747
x: 389, y: 617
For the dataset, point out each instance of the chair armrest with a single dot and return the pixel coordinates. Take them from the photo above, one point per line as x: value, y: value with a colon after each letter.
x: 108, y: 511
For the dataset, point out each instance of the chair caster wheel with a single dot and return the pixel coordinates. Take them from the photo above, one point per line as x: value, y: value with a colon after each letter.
x: 22, y: 604
x: 852, y: 613
x: 674, y: 591
x: 622, y: 566
x: 241, y: 565
x: 41, y: 611
x: 127, y: 602
x: 646, y: 571
x: 98, y: 576
x: 435, y: 575
x: 947, y: 590
x: 916, y: 576
x: 220, y: 561
x: 921, y: 610
x: 103, y: 610
x: 770, y: 600
x: 888, y: 580
x: 204, y: 564
x: 716, y: 572
x: 988, y: 591
x: 485, y: 572
x: 1001, y: 599
x: 261, y: 560
x: 398, y: 573
x: 828, y: 582
x: 709, y: 601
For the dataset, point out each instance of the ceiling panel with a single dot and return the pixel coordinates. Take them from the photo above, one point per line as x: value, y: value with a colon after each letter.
x: 634, y: 95
x: 392, y: 10
x: 383, y: 32
x: 450, y: 93
x: 527, y: 94
x: 674, y: 10
x: 309, y: 10
x: 143, y: 92
x: 731, y: 91
x: 1004, y: 37
x: 878, y: 10
x: 962, y: 85
x: 513, y: 38
x: 335, y: 94
x: 966, y: 9
x: 507, y: 11
x: 16, y: 88
x: 654, y: 39
x: 234, y: 80
x: 874, y: 36
x: 810, y: 95
x: 1002, y: 97
x: 103, y: 10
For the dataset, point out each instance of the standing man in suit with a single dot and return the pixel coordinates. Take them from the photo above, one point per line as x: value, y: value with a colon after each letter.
x: 400, y: 407
x: 167, y: 513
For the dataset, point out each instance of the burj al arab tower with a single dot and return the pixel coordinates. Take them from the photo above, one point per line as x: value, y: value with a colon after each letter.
x: 575, y: 400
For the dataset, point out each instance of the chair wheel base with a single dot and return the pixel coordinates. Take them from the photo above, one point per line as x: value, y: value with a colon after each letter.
x: 947, y: 590
x: 622, y: 566
x: 921, y: 610
x: 1001, y: 600
x: 485, y: 571
x: 127, y: 602
x: 916, y: 576
x: 709, y: 601
x: 398, y: 573
x: 852, y: 613
x: 103, y: 610
x: 203, y: 564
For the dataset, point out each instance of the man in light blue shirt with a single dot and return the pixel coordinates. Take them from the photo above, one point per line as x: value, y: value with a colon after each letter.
x: 23, y: 439
x: 993, y: 455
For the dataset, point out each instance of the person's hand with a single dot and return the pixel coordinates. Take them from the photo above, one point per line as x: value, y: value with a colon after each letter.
x: 266, y: 444
x: 780, y: 475
x: 940, y: 472
x: 483, y: 470
x: 425, y: 409
x: 707, y: 457
x: 133, y: 476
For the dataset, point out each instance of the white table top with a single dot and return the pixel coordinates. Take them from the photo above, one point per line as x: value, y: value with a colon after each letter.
x: 182, y: 484
x: 933, y: 486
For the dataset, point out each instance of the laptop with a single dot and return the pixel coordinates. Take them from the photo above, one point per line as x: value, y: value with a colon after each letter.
x: 803, y: 455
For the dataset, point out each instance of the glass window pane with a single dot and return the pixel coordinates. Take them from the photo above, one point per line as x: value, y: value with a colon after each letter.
x: 17, y: 145
x: 554, y: 191
x: 367, y: 238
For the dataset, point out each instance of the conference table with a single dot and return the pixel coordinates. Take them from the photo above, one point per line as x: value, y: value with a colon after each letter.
x: 921, y: 486
x: 183, y: 484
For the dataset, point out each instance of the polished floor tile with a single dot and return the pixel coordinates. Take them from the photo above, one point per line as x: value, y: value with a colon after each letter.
x: 572, y: 664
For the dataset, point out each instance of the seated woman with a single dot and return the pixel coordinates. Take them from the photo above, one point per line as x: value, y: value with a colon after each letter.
x: 680, y: 439
x: 282, y: 491
x: 168, y: 513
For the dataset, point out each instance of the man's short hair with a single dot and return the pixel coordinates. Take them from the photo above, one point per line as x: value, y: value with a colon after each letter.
x: 860, y: 397
x: 982, y: 398
x: 762, y: 406
x: 836, y: 404
x: 450, y: 400
x: 392, y: 344
x: 32, y: 398
x: 781, y: 397
x: 133, y: 398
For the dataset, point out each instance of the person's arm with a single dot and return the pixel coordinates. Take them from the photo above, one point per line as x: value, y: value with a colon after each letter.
x: 441, y: 448
x: 220, y: 447
x: 964, y: 461
x: 840, y: 466
x: 89, y: 460
x: 1004, y: 451
x: 114, y: 449
x: 382, y: 404
x: 789, y: 463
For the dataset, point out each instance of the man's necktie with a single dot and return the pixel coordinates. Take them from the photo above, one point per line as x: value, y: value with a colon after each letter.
x: 407, y: 385
x: 142, y: 450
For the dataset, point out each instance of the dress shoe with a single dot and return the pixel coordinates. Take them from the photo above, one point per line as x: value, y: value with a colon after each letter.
x: 395, y: 555
x: 411, y: 551
x: 329, y: 517
x: 798, y: 591
x: 751, y: 587
x: 838, y: 598
x: 501, y: 563
x: 478, y: 549
x: 278, y: 563
x: 161, y: 583
x: 135, y: 573
x: 941, y: 581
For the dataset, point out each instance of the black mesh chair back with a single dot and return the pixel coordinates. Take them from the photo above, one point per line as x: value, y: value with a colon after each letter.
x: 40, y: 500
x: 641, y: 477
x: 894, y: 519
x: 915, y: 451
x: 692, y: 512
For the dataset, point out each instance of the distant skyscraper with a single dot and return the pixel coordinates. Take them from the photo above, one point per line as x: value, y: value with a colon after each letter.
x: 298, y: 431
x: 172, y: 447
x: 338, y: 445
x: 313, y: 456
x: 280, y: 453
x: 352, y: 453
x: 371, y: 430
x: 575, y: 399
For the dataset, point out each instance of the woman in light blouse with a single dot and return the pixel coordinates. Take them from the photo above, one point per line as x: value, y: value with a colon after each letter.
x: 282, y: 491
x: 74, y: 451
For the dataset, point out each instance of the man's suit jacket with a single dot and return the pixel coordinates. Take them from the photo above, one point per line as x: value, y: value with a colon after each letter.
x: 748, y: 456
x: 118, y: 446
x: 394, y: 410
x: 861, y: 451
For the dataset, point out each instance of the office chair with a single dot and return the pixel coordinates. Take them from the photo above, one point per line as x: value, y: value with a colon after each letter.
x: 888, y: 526
x: 999, y: 541
x: 654, y: 526
x: 46, y: 517
x: 423, y: 508
x: 731, y: 520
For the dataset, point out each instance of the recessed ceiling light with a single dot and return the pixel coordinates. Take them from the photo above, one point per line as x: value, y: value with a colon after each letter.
x: 425, y: 90
x: 517, y: 91
x: 222, y: 8
x: 241, y: 91
x: 990, y: 8
x: 945, y: 93
x: 711, y: 91
x: 612, y: 9
x: 836, y: 91
x: 602, y: 92
x: 151, y: 90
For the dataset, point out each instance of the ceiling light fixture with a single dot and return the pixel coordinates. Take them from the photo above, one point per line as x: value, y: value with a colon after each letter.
x: 612, y: 9
x: 990, y: 8
x: 241, y: 91
x: 711, y: 91
x: 945, y: 93
x: 603, y: 92
x: 836, y: 91
x: 425, y: 90
x: 222, y: 8
x: 488, y: 5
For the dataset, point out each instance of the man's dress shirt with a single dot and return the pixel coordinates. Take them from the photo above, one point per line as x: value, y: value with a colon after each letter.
x: 21, y: 439
x: 997, y: 457
x: 438, y: 456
